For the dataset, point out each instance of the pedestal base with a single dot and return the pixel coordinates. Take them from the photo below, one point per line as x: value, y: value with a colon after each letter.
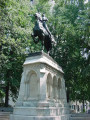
x: 42, y: 94
x: 18, y: 117
x: 40, y: 113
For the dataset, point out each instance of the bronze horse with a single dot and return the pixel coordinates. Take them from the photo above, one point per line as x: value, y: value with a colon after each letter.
x: 41, y: 32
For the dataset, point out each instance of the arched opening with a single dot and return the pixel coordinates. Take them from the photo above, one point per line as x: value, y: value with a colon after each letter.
x: 32, y: 86
x: 49, y: 86
x: 54, y: 87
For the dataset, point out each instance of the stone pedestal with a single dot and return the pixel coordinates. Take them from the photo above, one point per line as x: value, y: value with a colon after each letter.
x: 42, y: 94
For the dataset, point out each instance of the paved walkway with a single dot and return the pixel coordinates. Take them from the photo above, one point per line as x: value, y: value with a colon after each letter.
x: 80, y: 116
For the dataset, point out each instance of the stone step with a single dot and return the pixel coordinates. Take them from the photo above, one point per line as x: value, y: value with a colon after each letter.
x: 80, y: 115
x: 80, y: 118
x: 4, y: 118
x: 4, y: 115
x: 45, y: 111
x: 22, y: 117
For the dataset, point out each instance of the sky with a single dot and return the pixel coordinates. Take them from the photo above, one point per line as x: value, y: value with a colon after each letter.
x: 87, y: 1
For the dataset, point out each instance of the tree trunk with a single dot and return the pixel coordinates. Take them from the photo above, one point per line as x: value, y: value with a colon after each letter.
x: 83, y: 106
x: 7, y: 94
x: 67, y: 95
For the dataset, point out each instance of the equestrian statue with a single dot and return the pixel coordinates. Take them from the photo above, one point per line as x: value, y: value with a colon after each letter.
x: 41, y: 32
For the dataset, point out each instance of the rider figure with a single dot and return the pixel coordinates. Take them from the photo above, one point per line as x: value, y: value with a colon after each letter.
x: 41, y: 32
x: 44, y: 20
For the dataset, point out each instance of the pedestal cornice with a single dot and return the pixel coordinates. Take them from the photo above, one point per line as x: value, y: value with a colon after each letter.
x: 41, y: 57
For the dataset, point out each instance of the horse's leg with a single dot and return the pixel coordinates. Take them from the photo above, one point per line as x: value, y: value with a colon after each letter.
x: 36, y: 40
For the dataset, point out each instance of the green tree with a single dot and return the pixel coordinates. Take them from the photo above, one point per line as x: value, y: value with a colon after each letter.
x: 16, y: 27
x: 70, y: 27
